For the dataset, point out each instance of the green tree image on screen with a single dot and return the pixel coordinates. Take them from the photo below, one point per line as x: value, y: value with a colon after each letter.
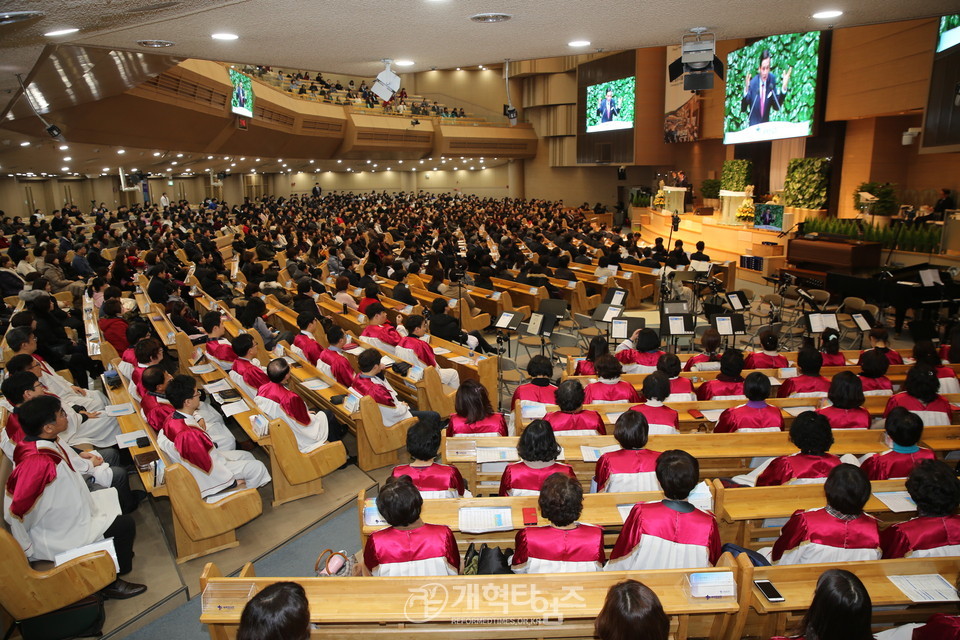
x: 241, y: 100
x: 624, y: 93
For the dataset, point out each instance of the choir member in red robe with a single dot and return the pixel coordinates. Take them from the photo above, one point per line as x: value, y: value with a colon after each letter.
x: 846, y: 403
x: 598, y: 347
x: 810, y: 432
x: 540, y: 389
x: 935, y: 532
x: 432, y: 480
x: 920, y: 395
x: 709, y: 358
x: 809, y: 384
x: 305, y: 342
x: 247, y: 372
x: 565, y: 545
x: 769, y: 358
x: 632, y: 468
x: 414, y: 349
x: 217, y: 346
x: 538, y: 451
x: 879, y: 337
x: 370, y: 383
x: 333, y: 358
x: 671, y: 533
x: 840, y: 532
x: 660, y: 418
x: 924, y: 352
x: 841, y: 610
x: 681, y: 389
x: 756, y: 414
x: 830, y: 348
x: 149, y: 352
x: 641, y: 352
x: 632, y: 610
x: 572, y: 419
x: 408, y: 547
x: 609, y: 387
x: 474, y: 415
x: 729, y: 384
x: 378, y: 327
x: 873, y: 370
x: 904, y: 430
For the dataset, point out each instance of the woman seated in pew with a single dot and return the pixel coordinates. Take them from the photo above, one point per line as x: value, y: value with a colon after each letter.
x: 809, y: 384
x: 873, y: 374
x: 845, y: 410
x: 182, y: 319
x: 540, y: 389
x: 935, y: 532
x: 641, y: 352
x: 217, y: 347
x: 341, y: 296
x: 572, y: 419
x: 113, y: 326
x: 921, y: 396
x: 769, y: 357
x: 432, y: 480
x: 709, y: 359
x: 669, y: 533
x: 660, y: 418
x: 924, y: 352
x: 830, y: 348
x: 279, y: 611
x: 729, y: 384
x: 632, y: 468
x: 565, y: 545
x: 632, y: 610
x: 538, y: 451
x: 252, y: 317
x: 371, y: 294
x: 587, y: 366
x: 414, y: 345
x: 879, y: 338
x: 904, y: 429
x: 840, y: 610
x: 839, y: 532
x: 681, y: 389
x: 408, y: 547
x: 809, y: 432
x: 447, y: 327
x: 474, y: 415
x: 756, y: 414
x: 609, y: 387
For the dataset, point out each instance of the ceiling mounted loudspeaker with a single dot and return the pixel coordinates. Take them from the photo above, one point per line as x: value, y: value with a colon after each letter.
x: 698, y: 61
x: 387, y: 83
x: 490, y: 18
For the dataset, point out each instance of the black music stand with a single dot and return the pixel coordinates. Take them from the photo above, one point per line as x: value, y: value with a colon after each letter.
x: 684, y: 324
x: 623, y: 328
x: 728, y: 325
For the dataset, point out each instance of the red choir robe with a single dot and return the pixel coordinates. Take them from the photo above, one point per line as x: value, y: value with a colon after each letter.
x: 221, y: 352
x: 585, y: 368
x: 309, y: 347
x: 939, y: 626
x: 156, y: 410
x: 700, y: 358
x: 251, y: 374
x: 655, y: 536
x: 816, y: 536
x: 278, y: 402
x: 533, y: 392
x: 627, y: 470
x: 519, y: 479
x: 130, y: 357
x: 585, y: 422
x: 552, y: 550
x: 948, y: 380
x: 881, y: 386
x: 136, y: 377
x: 193, y: 445
x: 434, y: 480
x: 681, y: 390
x: 427, y: 550
x: 833, y: 359
x: 934, y: 414
x: 892, y: 356
x: 858, y: 418
x: 638, y: 361
x: 383, y: 332
x: 804, y: 387
x: 944, y: 352
x: 492, y: 425
x: 752, y: 416
x: 339, y: 366
x: 422, y: 350
x: 610, y: 391
x: 922, y: 537
x: 13, y: 434
x: 392, y: 408
x: 798, y: 468
x: 894, y: 464
x: 721, y: 388
x: 660, y: 418
x: 765, y: 360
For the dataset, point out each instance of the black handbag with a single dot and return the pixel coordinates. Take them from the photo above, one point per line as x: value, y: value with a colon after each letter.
x: 82, y: 619
x: 494, y: 561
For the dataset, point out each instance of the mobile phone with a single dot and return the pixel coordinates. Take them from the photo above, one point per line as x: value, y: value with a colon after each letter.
x: 768, y: 590
x: 696, y: 414
x: 529, y: 516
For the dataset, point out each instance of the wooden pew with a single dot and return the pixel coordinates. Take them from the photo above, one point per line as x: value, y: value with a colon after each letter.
x: 377, y: 444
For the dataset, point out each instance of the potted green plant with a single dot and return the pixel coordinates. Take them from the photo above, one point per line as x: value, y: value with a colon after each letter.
x: 710, y: 191
x: 806, y: 187
x: 886, y: 202
x: 736, y: 175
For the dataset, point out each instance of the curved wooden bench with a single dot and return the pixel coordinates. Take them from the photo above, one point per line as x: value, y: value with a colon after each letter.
x: 300, y: 473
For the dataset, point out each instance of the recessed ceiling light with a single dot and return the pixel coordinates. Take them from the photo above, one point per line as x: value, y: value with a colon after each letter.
x: 224, y: 36
x: 156, y: 153
x: 403, y: 63
x: 106, y: 169
x: 458, y: 68
x: 61, y: 32
x: 578, y: 43
x: 64, y: 168
x: 489, y: 18
x: 173, y: 163
x: 209, y: 157
x: 830, y: 13
x: 24, y: 144
x: 155, y: 44
x: 67, y: 159
x: 63, y: 147
x: 311, y: 162
x: 339, y: 161
x: 179, y: 155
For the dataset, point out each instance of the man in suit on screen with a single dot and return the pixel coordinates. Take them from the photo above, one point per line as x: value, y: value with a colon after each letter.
x: 608, y: 108
x: 761, y: 95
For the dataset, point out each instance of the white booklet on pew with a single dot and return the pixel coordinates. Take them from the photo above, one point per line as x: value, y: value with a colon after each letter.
x: 497, y: 454
x: 712, y: 414
x: 484, y: 519
x: 592, y: 454
x: 930, y: 587
x: 897, y: 501
x: 234, y: 408
x: 795, y: 411
x: 117, y: 410
x: 315, y: 384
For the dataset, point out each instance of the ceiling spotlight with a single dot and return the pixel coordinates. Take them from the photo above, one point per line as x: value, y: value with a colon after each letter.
x: 242, y: 159
x: 121, y: 151
x: 403, y: 63
x: 339, y: 161
x: 63, y: 147
x: 825, y: 15
x: 64, y: 168
x: 578, y: 43
x: 155, y: 44
x: 24, y: 144
x: 179, y: 155
x: 156, y: 153
x: 490, y: 18
x: 256, y: 159
x: 224, y: 36
x: 106, y: 169
x: 61, y: 32
x: 67, y: 159
x: 311, y: 162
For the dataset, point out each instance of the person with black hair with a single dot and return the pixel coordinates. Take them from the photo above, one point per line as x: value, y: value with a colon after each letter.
x: 879, y: 339
x: 769, y: 357
x: 810, y: 432
x: 337, y: 365
x: 253, y: 315
x: 921, y: 396
x: 830, y: 348
x: 538, y: 451
x: 904, y: 428
x: 473, y: 414
x: 587, y: 365
x: 408, y: 547
x: 371, y: 295
x: 136, y: 332
x: 432, y: 479
x: 729, y: 384
x: 681, y: 389
x: 670, y: 533
x: 840, y: 610
x: 184, y: 438
x: 632, y: 468
x: 935, y: 531
x: 572, y: 419
x: 632, y: 610
x: 305, y: 343
x: 873, y: 374
x: 415, y: 350
x: 809, y: 384
x: 276, y: 401
x: 447, y: 327
x: 279, y: 611
x: 660, y: 418
x: 112, y: 326
x: 924, y: 352
x: 709, y: 359
x: 845, y: 410
x: 379, y: 329
x: 839, y: 532
x: 640, y: 353
x: 48, y: 506
x: 609, y: 387
x: 540, y: 389
x: 756, y: 414
x: 564, y: 545
x: 217, y: 347
x: 247, y: 373
x: 370, y: 383
x: 149, y: 352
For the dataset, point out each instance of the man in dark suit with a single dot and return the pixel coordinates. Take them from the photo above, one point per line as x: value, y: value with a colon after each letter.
x: 699, y: 254
x: 316, y: 190
x: 761, y: 95
x: 608, y: 108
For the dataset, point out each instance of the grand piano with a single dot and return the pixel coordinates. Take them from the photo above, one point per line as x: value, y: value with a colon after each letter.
x: 902, y: 289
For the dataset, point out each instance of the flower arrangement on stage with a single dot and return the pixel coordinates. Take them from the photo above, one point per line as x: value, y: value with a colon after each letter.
x: 659, y: 200
x: 746, y: 209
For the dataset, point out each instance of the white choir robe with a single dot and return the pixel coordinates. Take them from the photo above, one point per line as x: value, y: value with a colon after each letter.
x: 392, y: 408
x: 427, y: 550
x: 552, y: 550
x: 63, y: 388
x: 101, y: 431
x: 241, y: 384
x: 309, y: 436
x: 378, y: 344
x: 125, y: 369
x: 448, y: 377
x: 217, y: 429
x: 655, y: 536
x: 815, y: 536
x: 627, y: 470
